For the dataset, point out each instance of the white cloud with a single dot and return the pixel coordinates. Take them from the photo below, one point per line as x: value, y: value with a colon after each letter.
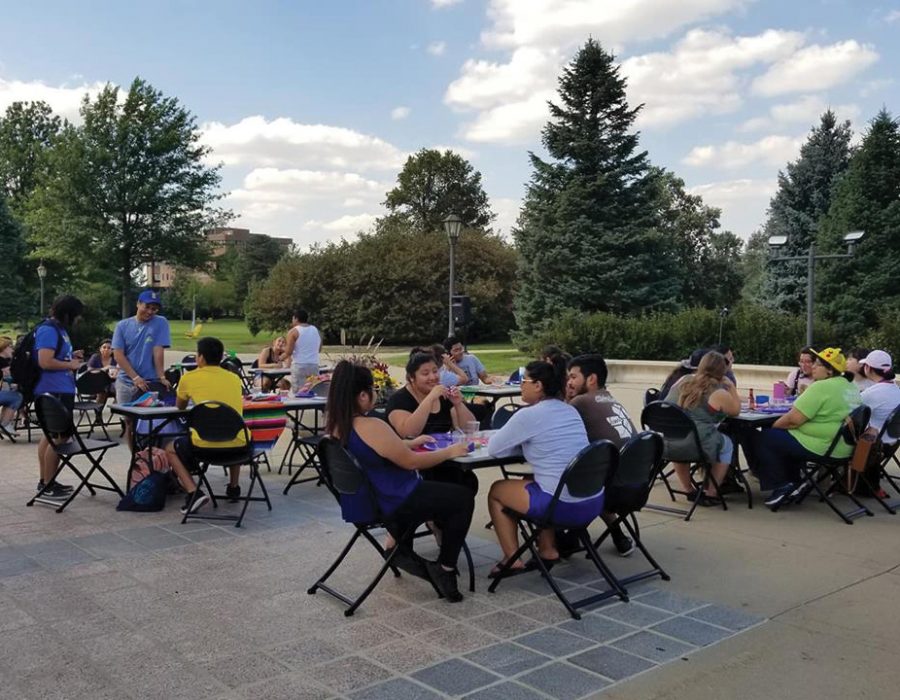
x: 65, y: 101
x: 256, y: 141
x: 875, y: 86
x: 555, y: 23
x: 743, y: 202
x: 344, y: 226
x: 353, y: 202
x: 892, y: 16
x: 436, y: 48
x: 507, y: 211
x: 292, y: 187
x: 815, y: 68
x: 516, y: 122
x: 805, y: 110
x: 770, y: 150
x: 398, y: 113
x: 444, y: 3
x: 701, y: 74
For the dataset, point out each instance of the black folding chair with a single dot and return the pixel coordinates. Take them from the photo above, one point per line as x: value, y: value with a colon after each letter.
x: 234, y: 364
x: 173, y: 374
x: 59, y: 429
x: 307, y: 446
x: 503, y: 414
x: 584, y: 477
x: 190, y: 360
x: 681, y: 443
x: 814, y: 472
x: 627, y: 490
x: 216, y: 422
x: 891, y: 429
x: 89, y: 384
x: 345, y: 477
x: 651, y: 395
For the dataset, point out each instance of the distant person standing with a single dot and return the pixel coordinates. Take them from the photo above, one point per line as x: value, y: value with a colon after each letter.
x: 303, y: 346
x: 139, y: 344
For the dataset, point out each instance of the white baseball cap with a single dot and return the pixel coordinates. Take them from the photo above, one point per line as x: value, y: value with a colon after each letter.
x: 878, y: 359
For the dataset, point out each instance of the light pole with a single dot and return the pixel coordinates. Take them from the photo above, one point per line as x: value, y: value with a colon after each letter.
x: 42, y: 273
x: 775, y: 242
x: 722, y: 314
x: 452, y: 225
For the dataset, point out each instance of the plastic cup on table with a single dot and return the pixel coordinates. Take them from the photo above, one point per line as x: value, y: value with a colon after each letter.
x: 778, y: 391
x: 471, y: 428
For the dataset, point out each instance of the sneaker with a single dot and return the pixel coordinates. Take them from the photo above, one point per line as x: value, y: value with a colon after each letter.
x: 410, y: 562
x: 780, y: 496
x: 624, y: 544
x: 445, y: 581
x: 54, y: 493
x: 10, y: 429
x: 65, y: 488
x: 232, y: 493
x: 202, y: 500
x: 801, y: 492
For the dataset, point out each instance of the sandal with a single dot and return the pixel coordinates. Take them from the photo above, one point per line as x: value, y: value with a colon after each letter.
x: 499, y: 572
x: 532, y: 565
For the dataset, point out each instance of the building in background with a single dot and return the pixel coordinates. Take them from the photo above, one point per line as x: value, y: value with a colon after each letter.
x: 161, y: 275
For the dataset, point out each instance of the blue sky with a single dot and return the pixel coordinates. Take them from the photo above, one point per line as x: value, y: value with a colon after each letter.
x: 313, y: 106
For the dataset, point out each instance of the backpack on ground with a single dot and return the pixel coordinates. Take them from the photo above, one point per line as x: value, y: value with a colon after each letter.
x: 147, y: 495
x: 24, y: 368
x: 143, y: 466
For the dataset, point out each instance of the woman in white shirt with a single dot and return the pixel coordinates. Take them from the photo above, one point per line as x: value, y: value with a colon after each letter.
x: 884, y: 394
x: 549, y: 433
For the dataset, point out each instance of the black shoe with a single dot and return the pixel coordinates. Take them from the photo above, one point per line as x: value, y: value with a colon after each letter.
x: 624, y: 544
x: 54, y: 493
x: 232, y: 493
x: 65, y: 488
x: 201, y: 500
x: 445, y: 581
x: 730, y: 486
x: 410, y: 562
x: 780, y: 496
x: 567, y: 543
x: 702, y: 499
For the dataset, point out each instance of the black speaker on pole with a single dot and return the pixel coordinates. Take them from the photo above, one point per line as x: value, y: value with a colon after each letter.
x: 462, y: 310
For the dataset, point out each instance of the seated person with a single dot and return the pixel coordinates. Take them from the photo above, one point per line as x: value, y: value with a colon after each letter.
x: 800, y: 378
x: 103, y: 361
x: 270, y: 358
x: 406, y: 498
x: 456, y: 358
x: 806, y: 431
x: 423, y: 406
x: 550, y: 433
x: 884, y: 394
x: 855, y: 370
x: 604, y: 419
x: 10, y: 400
x: 686, y: 367
x: 209, y: 382
x: 708, y: 397
x: 727, y: 352
x: 549, y: 353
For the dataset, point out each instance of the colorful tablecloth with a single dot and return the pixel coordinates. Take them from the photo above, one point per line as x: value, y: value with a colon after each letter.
x: 265, y: 420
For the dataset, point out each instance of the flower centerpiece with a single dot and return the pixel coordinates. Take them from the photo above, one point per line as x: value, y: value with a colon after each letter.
x: 384, y: 382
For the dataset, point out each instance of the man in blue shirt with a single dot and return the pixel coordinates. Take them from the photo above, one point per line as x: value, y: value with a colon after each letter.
x: 459, y: 358
x: 139, y: 345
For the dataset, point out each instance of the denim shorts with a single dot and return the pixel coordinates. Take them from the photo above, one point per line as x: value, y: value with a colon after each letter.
x: 566, y: 514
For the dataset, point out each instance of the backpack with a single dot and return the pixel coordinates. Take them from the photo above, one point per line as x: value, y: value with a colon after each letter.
x: 142, y: 467
x: 149, y: 494
x: 24, y: 368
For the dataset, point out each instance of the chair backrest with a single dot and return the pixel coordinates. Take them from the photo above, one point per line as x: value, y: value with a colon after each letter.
x: 891, y: 426
x: 255, y: 364
x: 503, y: 414
x: 233, y: 364
x: 92, y: 382
x: 321, y: 389
x: 651, y: 395
x: 341, y: 469
x: 679, y: 432
x: 216, y: 422
x: 640, y: 460
x: 850, y: 431
x: 173, y: 375
x: 514, y: 377
x: 53, y: 417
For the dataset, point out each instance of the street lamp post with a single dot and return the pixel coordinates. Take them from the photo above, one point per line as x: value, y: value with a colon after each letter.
x: 452, y: 225
x: 851, y: 239
x: 42, y: 273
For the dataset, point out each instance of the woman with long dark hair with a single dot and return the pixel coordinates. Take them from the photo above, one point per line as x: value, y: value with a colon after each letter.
x: 549, y: 432
x: 392, y: 468
x: 58, y: 362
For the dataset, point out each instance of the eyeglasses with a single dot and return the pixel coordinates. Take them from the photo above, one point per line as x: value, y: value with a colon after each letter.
x: 529, y: 381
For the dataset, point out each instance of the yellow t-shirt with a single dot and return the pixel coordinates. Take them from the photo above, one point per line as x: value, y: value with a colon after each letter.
x: 213, y: 383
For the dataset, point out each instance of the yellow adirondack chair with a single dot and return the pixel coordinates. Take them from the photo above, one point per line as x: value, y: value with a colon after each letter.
x: 194, y: 334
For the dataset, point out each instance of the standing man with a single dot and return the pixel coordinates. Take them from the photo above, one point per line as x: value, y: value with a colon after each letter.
x: 303, y: 346
x: 139, y: 345
x: 604, y: 419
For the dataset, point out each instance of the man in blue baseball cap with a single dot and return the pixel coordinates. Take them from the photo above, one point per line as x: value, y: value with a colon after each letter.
x: 139, y: 344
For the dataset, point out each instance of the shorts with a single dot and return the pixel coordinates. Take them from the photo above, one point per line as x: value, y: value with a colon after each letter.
x: 191, y: 457
x: 126, y: 393
x: 726, y: 452
x: 566, y: 514
x: 300, y: 374
x: 11, y: 400
x: 67, y: 400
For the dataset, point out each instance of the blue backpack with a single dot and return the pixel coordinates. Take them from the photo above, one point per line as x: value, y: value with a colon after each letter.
x: 149, y: 494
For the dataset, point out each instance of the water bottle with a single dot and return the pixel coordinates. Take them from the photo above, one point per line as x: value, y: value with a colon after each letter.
x: 521, y: 374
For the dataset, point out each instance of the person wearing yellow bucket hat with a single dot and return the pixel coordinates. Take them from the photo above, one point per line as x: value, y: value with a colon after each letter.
x: 806, y: 431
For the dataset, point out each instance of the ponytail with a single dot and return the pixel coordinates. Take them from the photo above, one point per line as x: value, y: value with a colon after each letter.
x: 347, y: 382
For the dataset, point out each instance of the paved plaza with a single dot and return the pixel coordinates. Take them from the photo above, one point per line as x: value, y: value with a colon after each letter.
x: 100, y: 604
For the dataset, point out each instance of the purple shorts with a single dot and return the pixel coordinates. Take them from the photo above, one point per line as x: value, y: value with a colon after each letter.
x: 565, y: 514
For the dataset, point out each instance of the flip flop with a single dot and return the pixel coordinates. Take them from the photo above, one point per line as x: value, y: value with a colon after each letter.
x: 497, y: 572
x: 531, y: 564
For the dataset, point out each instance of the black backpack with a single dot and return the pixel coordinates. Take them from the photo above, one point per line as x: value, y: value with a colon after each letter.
x: 24, y: 368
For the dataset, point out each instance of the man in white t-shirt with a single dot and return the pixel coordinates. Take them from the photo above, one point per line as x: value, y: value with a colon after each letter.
x: 303, y: 346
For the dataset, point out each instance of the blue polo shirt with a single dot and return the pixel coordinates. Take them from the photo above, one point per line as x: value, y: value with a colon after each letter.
x: 137, y: 341
x: 469, y: 364
x: 54, y: 381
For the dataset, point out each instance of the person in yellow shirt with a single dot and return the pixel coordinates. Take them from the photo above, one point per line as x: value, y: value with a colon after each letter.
x: 209, y: 382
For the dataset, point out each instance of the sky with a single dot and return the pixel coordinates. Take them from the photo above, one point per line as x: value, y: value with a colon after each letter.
x: 313, y: 106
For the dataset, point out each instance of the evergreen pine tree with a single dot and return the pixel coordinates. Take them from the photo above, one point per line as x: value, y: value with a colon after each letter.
x: 856, y: 292
x: 805, y: 190
x: 12, y: 257
x: 586, y: 234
